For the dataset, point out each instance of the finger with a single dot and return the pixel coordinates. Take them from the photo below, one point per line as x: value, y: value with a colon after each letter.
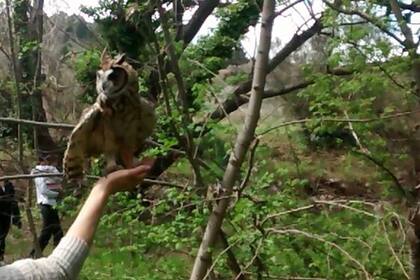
x: 148, y: 162
x: 140, y: 170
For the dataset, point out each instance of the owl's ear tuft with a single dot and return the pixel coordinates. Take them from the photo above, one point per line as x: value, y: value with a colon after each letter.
x: 105, y: 57
x: 119, y: 59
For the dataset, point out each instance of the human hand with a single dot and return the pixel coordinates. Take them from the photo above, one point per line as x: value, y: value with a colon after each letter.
x: 125, y: 179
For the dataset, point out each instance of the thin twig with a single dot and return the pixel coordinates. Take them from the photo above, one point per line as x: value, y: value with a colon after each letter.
x: 250, y: 166
x: 319, y: 238
x: 276, y: 14
x: 288, y: 277
x: 252, y: 259
x: 367, y: 17
x: 5, y: 53
x: 393, y: 251
x: 218, y: 257
x: 303, y: 208
x: 363, y: 120
x: 333, y: 203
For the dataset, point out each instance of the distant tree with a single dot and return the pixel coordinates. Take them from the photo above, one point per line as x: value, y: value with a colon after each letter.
x: 28, y: 20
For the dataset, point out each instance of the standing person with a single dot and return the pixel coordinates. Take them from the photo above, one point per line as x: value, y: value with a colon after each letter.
x: 9, y: 213
x: 47, y: 191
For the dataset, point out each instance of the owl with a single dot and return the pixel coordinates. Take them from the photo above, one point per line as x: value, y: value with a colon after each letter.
x: 116, y: 125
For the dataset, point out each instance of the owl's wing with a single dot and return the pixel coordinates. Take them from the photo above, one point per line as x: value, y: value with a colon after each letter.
x: 78, y: 144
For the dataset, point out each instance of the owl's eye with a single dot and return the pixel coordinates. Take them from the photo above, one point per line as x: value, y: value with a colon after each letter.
x: 113, y: 76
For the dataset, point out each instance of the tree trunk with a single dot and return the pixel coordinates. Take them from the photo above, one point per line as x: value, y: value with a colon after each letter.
x: 29, y: 29
x: 16, y: 80
x: 243, y: 141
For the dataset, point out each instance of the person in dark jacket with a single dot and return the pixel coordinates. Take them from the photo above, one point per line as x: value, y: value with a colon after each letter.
x: 9, y: 213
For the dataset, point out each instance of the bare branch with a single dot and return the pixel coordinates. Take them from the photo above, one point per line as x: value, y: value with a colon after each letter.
x: 235, y: 101
x: 92, y: 177
x: 205, y: 8
x: 409, y: 41
x: 5, y: 53
x: 271, y: 216
x: 35, y: 123
x: 225, y: 250
x: 250, y: 166
x: 232, y: 103
x: 366, y: 17
x: 365, y: 120
x: 276, y: 14
x: 414, y: 7
x: 296, y: 42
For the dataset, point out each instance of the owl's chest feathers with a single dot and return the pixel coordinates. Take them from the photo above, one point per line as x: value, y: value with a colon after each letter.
x: 130, y: 122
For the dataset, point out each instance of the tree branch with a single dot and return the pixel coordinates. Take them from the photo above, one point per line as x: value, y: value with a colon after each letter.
x: 244, y: 138
x: 367, y: 18
x: 346, y: 120
x: 205, y: 8
x: 409, y: 43
x: 276, y: 14
x: 232, y: 262
x: 412, y: 6
x: 183, y: 97
x: 92, y: 177
x: 5, y: 53
x: 236, y: 100
x: 35, y: 123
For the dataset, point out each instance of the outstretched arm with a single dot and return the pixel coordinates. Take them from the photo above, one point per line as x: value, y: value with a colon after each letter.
x: 86, y: 222
x: 67, y: 259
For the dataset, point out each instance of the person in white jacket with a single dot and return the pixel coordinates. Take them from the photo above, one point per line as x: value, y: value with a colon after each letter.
x: 47, y: 191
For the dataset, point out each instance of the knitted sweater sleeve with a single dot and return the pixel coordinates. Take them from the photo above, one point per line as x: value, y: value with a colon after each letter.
x: 65, y: 262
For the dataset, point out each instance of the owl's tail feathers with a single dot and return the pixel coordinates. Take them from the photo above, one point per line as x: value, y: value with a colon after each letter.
x: 73, y: 163
x: 73, y: 166
x: 74, y: 157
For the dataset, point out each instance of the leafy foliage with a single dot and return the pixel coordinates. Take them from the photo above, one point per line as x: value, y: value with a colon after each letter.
x: 318, y: 199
